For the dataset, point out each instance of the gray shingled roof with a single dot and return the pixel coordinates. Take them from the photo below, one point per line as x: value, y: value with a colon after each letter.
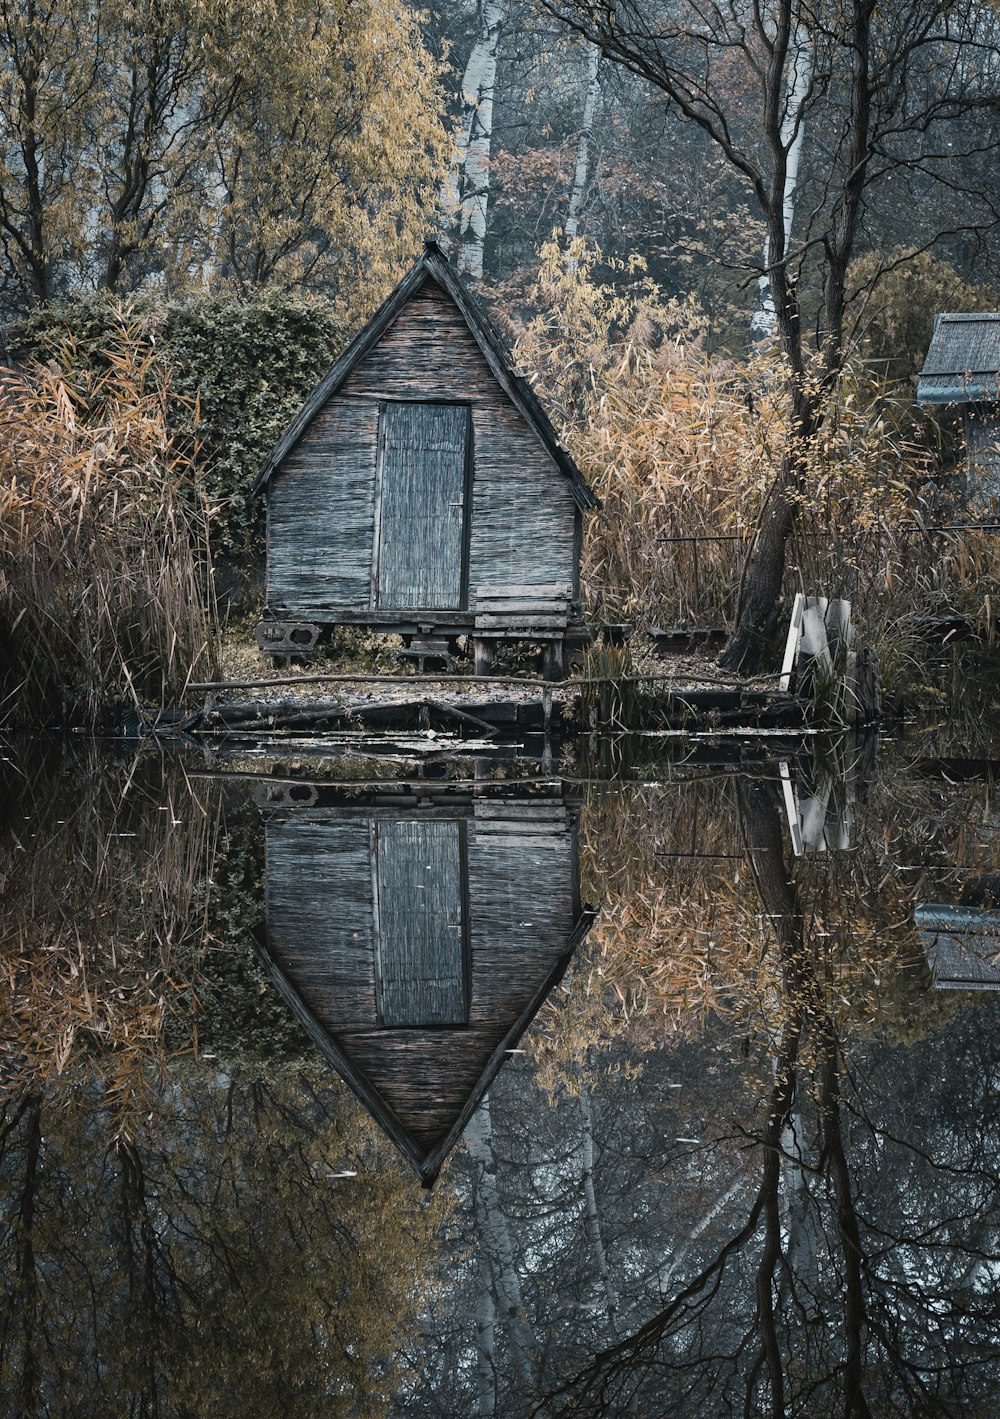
x: 962, y: 945
x: 963, y: 362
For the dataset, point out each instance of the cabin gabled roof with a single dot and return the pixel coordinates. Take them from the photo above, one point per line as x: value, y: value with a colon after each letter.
x: 434, y: 266
x: 427, y: 1163
x: 963, y: 361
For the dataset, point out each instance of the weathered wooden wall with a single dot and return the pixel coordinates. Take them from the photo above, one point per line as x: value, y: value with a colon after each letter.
x: 321, y: 513
x: 982, y: 438
x: 318, y: 890
x: 522, y: 902
x: 321, y: 509
x: 338, y: 884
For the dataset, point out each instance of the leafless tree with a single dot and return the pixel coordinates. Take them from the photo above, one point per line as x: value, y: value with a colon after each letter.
x: 887, y: 91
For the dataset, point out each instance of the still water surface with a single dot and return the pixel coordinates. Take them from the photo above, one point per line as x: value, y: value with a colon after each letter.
x: 702, y: 1060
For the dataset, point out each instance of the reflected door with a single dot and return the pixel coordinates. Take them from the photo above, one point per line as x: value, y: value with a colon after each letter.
x: 421, y: 979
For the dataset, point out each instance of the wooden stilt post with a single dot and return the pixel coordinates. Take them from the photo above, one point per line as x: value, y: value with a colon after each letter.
x: 483, y: 654
x: 553, y: 665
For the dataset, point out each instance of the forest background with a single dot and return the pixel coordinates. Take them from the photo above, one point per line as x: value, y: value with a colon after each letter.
x: 715, y: 239
x: 197, y: 203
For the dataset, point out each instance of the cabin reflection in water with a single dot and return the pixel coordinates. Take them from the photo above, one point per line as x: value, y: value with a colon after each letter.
x: 415, y: 938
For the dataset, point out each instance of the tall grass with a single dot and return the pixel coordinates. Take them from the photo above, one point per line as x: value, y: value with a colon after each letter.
x: 665, y: 433
x: 105, y: 582
x: 682, y: 445
x: 104, y: 865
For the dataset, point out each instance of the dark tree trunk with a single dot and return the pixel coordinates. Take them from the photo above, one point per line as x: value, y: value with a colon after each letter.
x: 760, y: 590
x: 849, y: 1235
x: 27, y: 1278
x: 33, y: 242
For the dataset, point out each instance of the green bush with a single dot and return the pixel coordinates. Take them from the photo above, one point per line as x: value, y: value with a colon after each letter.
x: 240, y: 1017
x: 238, y: 370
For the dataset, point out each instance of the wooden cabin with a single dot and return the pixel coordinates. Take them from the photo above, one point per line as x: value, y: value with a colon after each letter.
x: 416, y: 939
x: 962, y: 944
x: 421, y: 490
x: 962, y: 371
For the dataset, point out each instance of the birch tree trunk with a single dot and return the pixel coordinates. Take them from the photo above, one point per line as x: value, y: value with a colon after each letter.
x: 800, y: 1216
x: 793, y: 127
x: 466, y: 190
x: 581, y: 172
x: 495, y: 1239
x: 592, y: 1217
x: 665, y: 1275
x: 486, y: 1384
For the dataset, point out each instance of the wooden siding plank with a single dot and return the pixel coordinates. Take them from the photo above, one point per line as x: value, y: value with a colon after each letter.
x: 517, y: 837
x: 422, y: 974
x: 536, y: 810
x: 425, y: 1077
x: 421, y: 500
x: 556, y: 590
x: 523, y: 512
x: 321, y: 512
x: 521, y: 916
x: 510, y: 620
x: 319, y: 916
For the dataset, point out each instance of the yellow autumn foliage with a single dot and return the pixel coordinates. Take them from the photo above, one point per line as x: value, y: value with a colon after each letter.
x: 294, y: 142
x: 682, y: 445
x: 327, y: 169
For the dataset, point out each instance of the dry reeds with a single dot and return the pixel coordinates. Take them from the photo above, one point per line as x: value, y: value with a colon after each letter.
x: 662, y: 957
x: 674, y: 444
x: 105, y: 585
x: 103, y: 882
x: 682, y: 447
x: 684, y: 937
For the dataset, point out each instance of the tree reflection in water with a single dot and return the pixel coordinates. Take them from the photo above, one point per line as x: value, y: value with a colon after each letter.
x: 747, y: 1164
x: 185, y: 1232
x: 862, y: 1277
x: 250, y: 1254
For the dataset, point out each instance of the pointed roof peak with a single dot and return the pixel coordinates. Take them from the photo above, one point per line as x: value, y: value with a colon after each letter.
x: 434, y: 264
x: 426, y: 1161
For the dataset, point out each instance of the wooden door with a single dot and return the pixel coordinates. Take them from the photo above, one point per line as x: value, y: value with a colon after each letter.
x: 420, y: 506
x: 421, y: 965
